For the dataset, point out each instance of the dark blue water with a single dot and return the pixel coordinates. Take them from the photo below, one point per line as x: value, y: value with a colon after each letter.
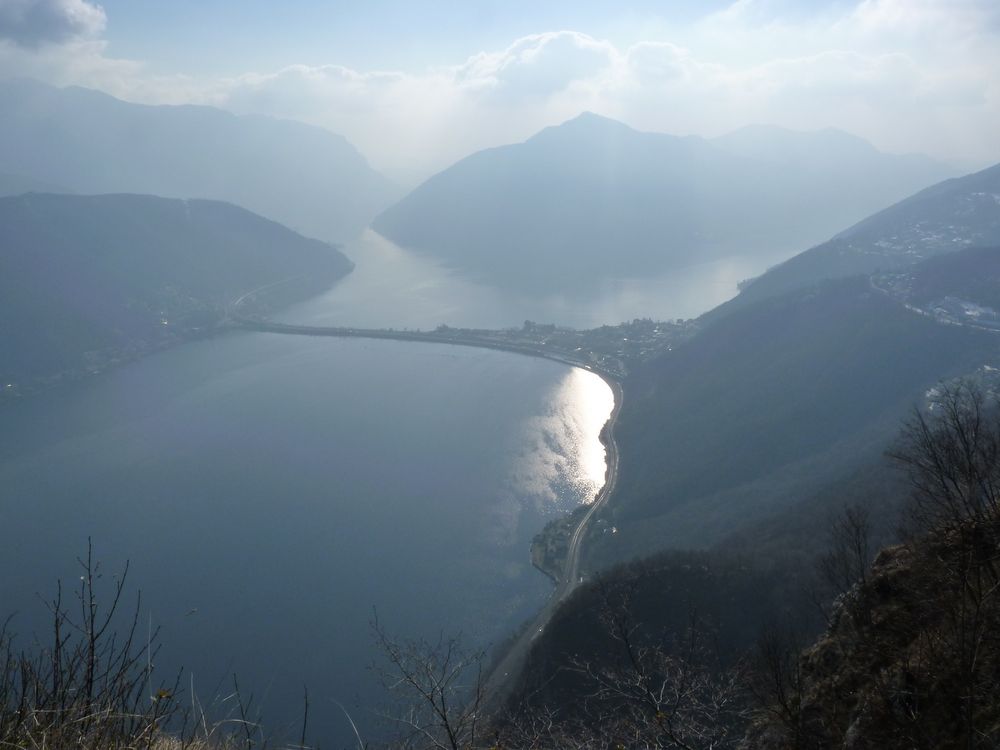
x: 270, y: 491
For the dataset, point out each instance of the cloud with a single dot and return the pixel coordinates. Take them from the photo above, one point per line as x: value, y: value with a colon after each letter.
x: 932, y: 18
x: 537, y: 66
x: 32, y: 23
x: 909, y: 75
x: 658, y: 62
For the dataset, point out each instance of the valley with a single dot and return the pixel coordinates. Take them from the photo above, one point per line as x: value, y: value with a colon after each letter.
x: 565, y: 376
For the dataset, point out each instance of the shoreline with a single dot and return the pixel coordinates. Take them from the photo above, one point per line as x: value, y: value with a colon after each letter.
x: 496, y: 682
x: 159, y: 339
x: 511, y: 662
x: 428, y: 337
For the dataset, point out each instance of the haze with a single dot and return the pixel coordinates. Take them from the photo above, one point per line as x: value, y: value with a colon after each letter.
x: 650, y: 347
x: 418, y: 86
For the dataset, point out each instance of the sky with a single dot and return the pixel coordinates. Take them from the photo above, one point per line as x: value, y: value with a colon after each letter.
x: 417, y: 85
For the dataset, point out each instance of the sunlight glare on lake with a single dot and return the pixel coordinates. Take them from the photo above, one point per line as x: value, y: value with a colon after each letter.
x: 563, y: 447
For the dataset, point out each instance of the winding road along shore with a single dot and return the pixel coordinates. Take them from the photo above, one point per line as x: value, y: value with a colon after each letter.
x: 497, y: 684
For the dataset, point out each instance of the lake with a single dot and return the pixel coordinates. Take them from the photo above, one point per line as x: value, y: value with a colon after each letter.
x: 272, y: 492
x: 392, y: 287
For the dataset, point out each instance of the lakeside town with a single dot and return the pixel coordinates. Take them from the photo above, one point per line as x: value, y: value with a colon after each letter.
x: 612, y: 349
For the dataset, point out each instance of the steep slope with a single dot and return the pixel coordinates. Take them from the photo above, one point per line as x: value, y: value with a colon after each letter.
x: 769, y: 407
x: 911, y: 657
x: 85, y: 280
x: 971, y: 276
x: 304, y: 177
x: 951, y: 215
x: 736, y: 450
x: 593, y: 199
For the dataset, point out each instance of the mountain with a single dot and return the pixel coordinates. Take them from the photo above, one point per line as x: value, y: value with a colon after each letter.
x: 86, y: 280
x: 782, y: 404
x: 738, y: 451
x: 16, y: 184
x: 304, y: 177
x: 773, y: 409
x: 594, y: 199
x: 830, y: 150
x: 951, y: 215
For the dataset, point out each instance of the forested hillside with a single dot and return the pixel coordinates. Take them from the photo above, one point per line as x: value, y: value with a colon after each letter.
x: 768, y: 408
x: 85, y: 280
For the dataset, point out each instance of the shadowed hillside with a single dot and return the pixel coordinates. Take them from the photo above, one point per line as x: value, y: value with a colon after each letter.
x: 768, y: 406
x: 85, y: 280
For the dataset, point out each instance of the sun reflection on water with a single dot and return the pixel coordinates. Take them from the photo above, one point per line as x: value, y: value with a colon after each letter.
x: 563, y: 461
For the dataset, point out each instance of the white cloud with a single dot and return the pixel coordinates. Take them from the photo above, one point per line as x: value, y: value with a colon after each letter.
x: 932, y: 18
x: 910, y: 75
x: 537, y: 66
x: 31, y: 23
x: 658, y: 62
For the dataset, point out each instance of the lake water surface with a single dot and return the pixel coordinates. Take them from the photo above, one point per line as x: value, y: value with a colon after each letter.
x: 270, y: 491
x: 392, y: 287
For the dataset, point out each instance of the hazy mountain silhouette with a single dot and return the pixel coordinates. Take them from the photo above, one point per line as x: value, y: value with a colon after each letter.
x: 16, y: 184
x: 302, y: 176
x: 85, y: 280
x: 954, y: 214
x: 593, y: 198
x: 829, y: 149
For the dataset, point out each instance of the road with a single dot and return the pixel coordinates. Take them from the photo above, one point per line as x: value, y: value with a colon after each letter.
x: 499, y: 682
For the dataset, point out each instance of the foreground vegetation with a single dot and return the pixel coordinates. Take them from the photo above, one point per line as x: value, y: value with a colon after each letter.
x: 92, y: 683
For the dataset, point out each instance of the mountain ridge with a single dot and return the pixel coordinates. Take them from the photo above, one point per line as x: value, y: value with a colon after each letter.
x: 302, y: 176
x: 953, y: 214
x: 597, y: 199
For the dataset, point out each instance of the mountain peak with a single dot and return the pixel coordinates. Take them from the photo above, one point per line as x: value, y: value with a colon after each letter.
x: 592, y: 118
x: 586, y: 123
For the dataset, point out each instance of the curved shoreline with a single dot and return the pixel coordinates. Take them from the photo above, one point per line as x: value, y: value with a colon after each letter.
x: 496, y: 684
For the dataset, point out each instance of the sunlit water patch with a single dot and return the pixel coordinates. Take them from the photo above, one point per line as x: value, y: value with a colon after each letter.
x: 561, y: 452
